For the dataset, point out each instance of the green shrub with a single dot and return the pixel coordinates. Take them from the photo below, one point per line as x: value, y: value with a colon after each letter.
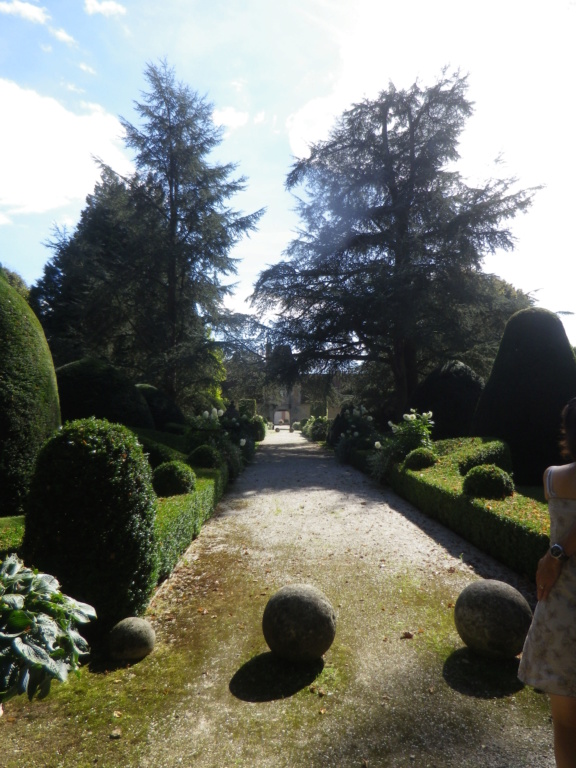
x: 29, y: 409
x: 206, y: 457
x: 38, y: 636
x: 90, y: 518
x: 232, y: 455
x: 156, y: 452
x: 296, y: 426
x: 490, y: 452
x: 420, y: 458
x: 247, y: 407
x: 451, y: 392
x: 173, y: 478
x: 90, y: 387
x: 316, y: 428
x: 488, y: 481
x: 532, y: 379
x: 163, y: 409
x: 180, y: 518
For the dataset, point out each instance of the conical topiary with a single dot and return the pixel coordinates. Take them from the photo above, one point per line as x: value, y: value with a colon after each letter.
x: 29, y: 409
x: 533, y: 377
x: 451, y: 392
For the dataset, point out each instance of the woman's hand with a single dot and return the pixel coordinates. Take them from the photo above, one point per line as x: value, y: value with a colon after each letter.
x: 547, y: 574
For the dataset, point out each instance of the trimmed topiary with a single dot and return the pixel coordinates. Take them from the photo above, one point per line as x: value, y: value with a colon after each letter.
x: 91, y: 387
x: 490, y: 452
x: 29, y: 408
x: 420, y: 458
x: 451, y: 392
x: 205, y: 457
x: 90, y: 518
x: 163, y: 409
x: 173, y: 478
x: 488, y: 482
x: 532, y: 379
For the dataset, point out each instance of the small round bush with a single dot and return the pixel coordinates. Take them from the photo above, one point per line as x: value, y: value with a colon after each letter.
x: 232, y: 455
x: 488, y: 482
x: 90, y: 518
x: 205, y: 457
x: 173, y: 478
x: 420, y: 458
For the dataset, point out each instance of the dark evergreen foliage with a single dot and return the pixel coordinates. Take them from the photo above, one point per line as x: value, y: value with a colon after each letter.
x: 533, y: 377
x: 140, y: 282
x: 29, y: 408
x: 90, y: 518
x: 386, y: 266
x: 91, y: 387
x: 163, y: 409
x: 205, y: 457
x: 451, y: 392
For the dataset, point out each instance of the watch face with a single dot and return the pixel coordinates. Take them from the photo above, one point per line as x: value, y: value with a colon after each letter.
x: 557, y: 551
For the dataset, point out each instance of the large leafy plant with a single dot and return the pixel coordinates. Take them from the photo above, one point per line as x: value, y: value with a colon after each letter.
x: 38, y: 638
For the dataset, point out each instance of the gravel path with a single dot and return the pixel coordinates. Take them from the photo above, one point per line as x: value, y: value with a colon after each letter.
x: 397, y: 688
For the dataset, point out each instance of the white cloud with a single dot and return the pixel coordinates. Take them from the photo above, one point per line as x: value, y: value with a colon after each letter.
x: 62, y: 36
x: 87, y: 68
x: 230, y: 117
x: 46, y: 152
x: 25, y: 11
x: 106, y: 8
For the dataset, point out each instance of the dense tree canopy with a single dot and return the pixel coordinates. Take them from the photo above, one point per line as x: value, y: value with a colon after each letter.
x: 386, y: 267
x: 139, y: 281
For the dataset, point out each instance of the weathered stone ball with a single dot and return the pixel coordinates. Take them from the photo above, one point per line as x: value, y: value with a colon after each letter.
x: 492, y: 618
x: 299, y: 623
x: 131, y: 639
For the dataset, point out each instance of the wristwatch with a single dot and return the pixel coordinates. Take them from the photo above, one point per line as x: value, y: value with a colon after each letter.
x: 557, y: 552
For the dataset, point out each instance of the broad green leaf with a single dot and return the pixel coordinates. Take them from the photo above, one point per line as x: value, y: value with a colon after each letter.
x: 12, y: 601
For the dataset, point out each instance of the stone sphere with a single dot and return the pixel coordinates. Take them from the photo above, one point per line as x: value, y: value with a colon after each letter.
x: 299, y: 623
x: 492, y: 618
x: 131, y: 639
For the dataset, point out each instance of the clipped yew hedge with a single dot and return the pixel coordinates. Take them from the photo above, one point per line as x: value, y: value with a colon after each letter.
x: 514, y: 530
x: 29, y: 407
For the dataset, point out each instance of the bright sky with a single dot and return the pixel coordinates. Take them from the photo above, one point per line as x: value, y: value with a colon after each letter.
x: 278, y: 72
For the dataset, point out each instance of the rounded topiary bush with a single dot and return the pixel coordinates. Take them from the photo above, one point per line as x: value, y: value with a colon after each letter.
x: 532, y: 379
x: 173, y: 478
x: 163, y: 409
x: 205, y: 457
x: 29, y: 409
x: 90, y: 387
x: 90, y: 518
x: 420, y: 458
x: 451, y: 392
x: 488, y: 481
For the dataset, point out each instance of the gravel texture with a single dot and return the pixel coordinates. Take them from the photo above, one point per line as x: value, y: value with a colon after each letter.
x: 397, y: 687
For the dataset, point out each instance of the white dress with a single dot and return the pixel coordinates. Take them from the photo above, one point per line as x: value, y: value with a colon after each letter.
x: 549, y: 657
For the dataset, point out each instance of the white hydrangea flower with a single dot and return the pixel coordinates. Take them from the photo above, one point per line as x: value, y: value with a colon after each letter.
x: 205, y: 415
x: 378, y: 445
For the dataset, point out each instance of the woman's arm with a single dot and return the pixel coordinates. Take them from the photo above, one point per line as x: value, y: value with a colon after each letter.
x: 549, y: 567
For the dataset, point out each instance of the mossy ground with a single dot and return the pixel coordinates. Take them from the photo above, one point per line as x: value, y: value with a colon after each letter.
x: 395, y: 689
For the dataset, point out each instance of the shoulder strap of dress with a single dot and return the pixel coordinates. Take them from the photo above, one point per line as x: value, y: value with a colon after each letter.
x: 549, y: 490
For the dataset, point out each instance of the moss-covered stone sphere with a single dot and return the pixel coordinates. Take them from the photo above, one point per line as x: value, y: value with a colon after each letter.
x: 492, y: 618
x: 29, y: 407
x: 299, y: 623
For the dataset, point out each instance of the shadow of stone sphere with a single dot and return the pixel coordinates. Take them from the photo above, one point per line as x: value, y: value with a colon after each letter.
x: 267, y: 678
x: 480, y: 677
